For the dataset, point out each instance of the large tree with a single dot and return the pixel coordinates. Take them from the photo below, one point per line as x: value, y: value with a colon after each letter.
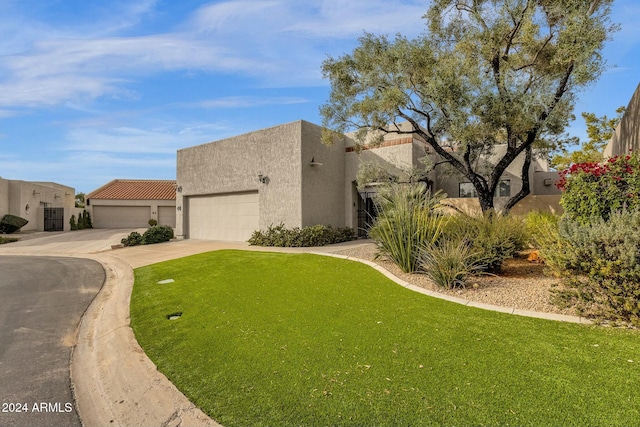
x: 485, y: 72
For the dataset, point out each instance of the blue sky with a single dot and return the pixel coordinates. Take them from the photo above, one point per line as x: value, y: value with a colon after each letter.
x: 92, y: 91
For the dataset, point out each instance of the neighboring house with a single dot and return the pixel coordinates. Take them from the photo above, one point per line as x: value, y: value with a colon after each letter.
x: 627, y: 134
x: 285, y: 175
x: 46, y: 205
x: 124, y: 203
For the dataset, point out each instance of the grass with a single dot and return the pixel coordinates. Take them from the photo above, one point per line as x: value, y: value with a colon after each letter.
x: 271, y: 339
x: 4, y: 240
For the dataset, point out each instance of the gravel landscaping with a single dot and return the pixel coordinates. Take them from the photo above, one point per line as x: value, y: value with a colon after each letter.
x: 522, y: 283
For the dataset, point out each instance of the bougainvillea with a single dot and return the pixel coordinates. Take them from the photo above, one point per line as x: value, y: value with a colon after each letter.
x: 594, y: 190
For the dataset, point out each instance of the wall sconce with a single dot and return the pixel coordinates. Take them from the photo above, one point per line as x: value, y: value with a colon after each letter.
x: 55, y: 196
x: 179, y: 208
x: 179, y: 189
x: 35, y: 192
x: 314, y: 163
x: 263, y: 178
x: 67, y: 194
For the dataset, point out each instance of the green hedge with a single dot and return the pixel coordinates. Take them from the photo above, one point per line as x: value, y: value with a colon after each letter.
x: 317, y: 235
x: 155, y: 234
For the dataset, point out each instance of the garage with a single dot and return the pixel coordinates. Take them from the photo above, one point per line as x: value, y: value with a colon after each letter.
x: 167, y: 215
x: 121, y: 216
x: 131, y: 203
x: 230, y: 217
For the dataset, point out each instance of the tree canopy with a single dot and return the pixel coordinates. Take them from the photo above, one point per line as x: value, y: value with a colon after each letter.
x: 485, y: 72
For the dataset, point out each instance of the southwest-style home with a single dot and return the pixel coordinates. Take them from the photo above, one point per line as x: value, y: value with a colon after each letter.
x: 131, y: 203
x: 47, y: 206
x: 286, y: 175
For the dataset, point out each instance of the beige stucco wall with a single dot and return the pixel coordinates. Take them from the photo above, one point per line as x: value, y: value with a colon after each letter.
x: 449, y: 182
x: 390, y: 158
x: 4, y: 197
x: 27, y: 200
x: 323, y: 184
x: 627, y: 134
x: 540, y: 203
x: 233, y: 165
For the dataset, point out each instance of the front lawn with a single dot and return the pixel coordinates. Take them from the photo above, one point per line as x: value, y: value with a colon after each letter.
x: 296, y: 339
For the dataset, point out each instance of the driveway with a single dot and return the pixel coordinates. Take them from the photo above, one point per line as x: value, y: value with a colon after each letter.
x: 43, y: 300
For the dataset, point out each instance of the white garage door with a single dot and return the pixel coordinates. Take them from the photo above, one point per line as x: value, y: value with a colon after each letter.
x: 230, y: 217
x: 121, y: 216
x: 167, y: 216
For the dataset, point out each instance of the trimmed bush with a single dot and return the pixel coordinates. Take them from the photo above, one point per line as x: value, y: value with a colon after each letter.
x: 133, y: 239
x: 317, y: 235
x: 157, y: 234
x: 600, y: 264
x: 11, y: 223
x: 152, y: 222
x: 407, y: 221
x: 72, y: 223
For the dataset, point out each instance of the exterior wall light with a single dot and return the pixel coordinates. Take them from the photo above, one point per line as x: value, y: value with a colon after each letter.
x: 179, y: 189
x: 314, y: 163
x: 263, y: 179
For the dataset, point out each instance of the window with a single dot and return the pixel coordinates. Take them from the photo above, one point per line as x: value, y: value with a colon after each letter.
x: 504, y: 188
x: 466, y: 189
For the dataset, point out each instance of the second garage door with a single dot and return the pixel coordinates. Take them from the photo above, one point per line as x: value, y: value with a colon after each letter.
x: 121, y: 216
x: 230, y: 217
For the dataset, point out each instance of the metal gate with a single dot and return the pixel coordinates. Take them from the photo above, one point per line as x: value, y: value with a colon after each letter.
x: 53, y: 219
x: 367, y: 213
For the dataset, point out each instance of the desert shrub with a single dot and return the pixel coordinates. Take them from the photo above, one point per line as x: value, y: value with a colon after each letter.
x: 600, y: 263
x: 133, y: 239
x: 157, y: 234
x: 153, y: 222
x: 11, y: 223
x: 540, y: 227
x: 407, y: 220
x: 449, y: 262
x: 596, y: 190
x: 316, y: 235
x: 72, y: 223
x: 492, y: 237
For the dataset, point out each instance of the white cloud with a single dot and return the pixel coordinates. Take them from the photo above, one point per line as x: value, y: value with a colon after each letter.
x: 280, y: 42
x: 130, y: 140
x: 249, y: 102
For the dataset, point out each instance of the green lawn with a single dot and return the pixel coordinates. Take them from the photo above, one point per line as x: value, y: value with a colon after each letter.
x: 296, y: 339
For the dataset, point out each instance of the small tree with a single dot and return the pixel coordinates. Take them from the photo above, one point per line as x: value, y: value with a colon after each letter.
x: 599, y: 130
x: 486, y: 72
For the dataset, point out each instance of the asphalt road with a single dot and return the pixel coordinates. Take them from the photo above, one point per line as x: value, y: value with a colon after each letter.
x: 41, y: 302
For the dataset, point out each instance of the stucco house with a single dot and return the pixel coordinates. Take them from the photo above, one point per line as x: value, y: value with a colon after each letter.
x: 627, y: 134
x: 130, y: 203
x: 46, y: 205
x: 285, y: 175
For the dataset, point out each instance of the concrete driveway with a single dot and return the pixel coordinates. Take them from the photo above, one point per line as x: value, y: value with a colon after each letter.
x: 43, y: 300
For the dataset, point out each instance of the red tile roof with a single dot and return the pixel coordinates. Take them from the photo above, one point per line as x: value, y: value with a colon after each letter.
x: 130, y: 189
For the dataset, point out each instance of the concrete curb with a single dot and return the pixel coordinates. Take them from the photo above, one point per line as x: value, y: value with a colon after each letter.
x: 115, y: 383
x: 470, y: 303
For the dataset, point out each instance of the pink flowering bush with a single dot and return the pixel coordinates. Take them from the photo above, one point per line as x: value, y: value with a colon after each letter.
x: 595, y: 190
